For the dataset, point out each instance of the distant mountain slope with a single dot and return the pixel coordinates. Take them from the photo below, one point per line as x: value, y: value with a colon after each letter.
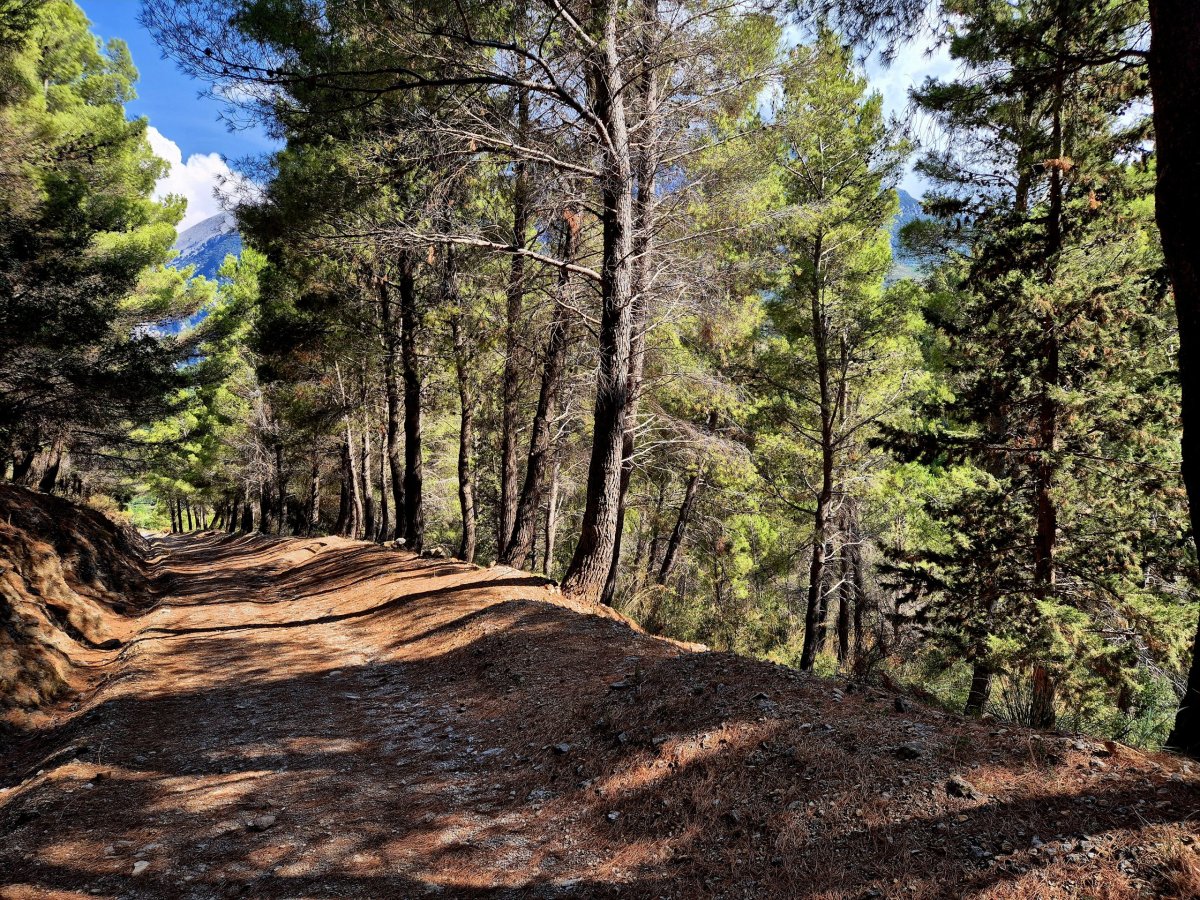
x: 206, y: 244
x: 905, y: 264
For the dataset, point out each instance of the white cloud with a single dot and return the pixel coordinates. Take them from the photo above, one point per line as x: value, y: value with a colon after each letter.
x: 912, y: 65
x: 205, y: 180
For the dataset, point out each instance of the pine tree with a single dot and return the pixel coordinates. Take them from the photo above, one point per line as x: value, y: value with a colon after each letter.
x: 1053, y: 321
x: 832, y: 342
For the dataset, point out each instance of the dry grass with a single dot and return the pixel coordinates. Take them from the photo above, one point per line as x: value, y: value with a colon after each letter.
x: 425, y: 727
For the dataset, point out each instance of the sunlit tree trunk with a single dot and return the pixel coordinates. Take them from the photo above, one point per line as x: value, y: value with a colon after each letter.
x: 524, y: 528
x: 593, y: 555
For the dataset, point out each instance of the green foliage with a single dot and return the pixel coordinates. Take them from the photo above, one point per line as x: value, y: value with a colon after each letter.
x: 83, y: 287
x: 1066, y: 548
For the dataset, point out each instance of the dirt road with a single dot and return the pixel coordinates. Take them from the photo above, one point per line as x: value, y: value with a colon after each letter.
x: 330, y: 719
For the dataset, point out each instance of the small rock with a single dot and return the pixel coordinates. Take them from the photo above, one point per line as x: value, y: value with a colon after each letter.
x: 960, y: 787
x: 262, y: 823
x: 140, y: 866
x: 613, y: 816
x: 910, y: 751
x: 901, y: 705
x: 561, y: 749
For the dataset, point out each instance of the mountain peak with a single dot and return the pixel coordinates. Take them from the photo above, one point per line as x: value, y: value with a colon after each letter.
x: 206, y: 244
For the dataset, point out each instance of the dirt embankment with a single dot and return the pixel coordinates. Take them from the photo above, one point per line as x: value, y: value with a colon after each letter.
x: 69, y: 581
x: 326, y: 718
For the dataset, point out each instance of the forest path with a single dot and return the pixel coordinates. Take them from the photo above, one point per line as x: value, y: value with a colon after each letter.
x: 325, y: 718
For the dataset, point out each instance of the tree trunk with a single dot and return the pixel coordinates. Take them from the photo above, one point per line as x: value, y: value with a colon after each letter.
x: 466, y: 403
x: 384, y: 526
x: 552, y: 514
x: 680, y: 530
x: 514, y: 301
x: 22, y: 464
x: 821, y: 524
x: 314, y: 495
x: 354, y: 518
x: 188, y: 506
x: 414, y: 521
x: 364, y: 471
x: 281, y: 489
x: 644, y: 207
x: 594, y: 552
x: 1042, y: 713
x: 343, y: 517
x: 264, y: 506
x: 53, y: 463
x: 981, y: 688
x: 1175, y: 84
x: 247, y: 510
x: 981, y: 674
x: 391, y: 386
x: 524, y: 528
x: 846, y: 600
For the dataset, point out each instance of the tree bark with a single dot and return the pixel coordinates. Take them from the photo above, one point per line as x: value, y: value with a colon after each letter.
x: 343, y: 516
x: 414, y: 521
x: 314, y: 495
x: 1042, y: 712
x: 514, y: 302
x: 49, y: 478
x: 593, y: 553
x: 680, y: 530
x: 524, y: 528
x: 384, y: 525
x: 846, y: 600
x: 354, y: 519
x: 247, y: 510
x: 281, y: 488
x: 364, y: 470
x: 644, y: 206
x: 821, y: 523
x: 22, y: 464
x: 552, y: 514
x: 264, y: 505
x: 466, y: 403
x: 391, y: 386
x: 1175, y: 85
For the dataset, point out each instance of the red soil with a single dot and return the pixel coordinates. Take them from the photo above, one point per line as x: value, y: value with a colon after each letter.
x: 323, y: 718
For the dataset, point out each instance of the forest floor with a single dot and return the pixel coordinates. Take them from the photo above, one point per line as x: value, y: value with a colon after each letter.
x: 324, y: 718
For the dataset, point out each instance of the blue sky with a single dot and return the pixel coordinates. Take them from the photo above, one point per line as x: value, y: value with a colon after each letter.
x: 187, y: 130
